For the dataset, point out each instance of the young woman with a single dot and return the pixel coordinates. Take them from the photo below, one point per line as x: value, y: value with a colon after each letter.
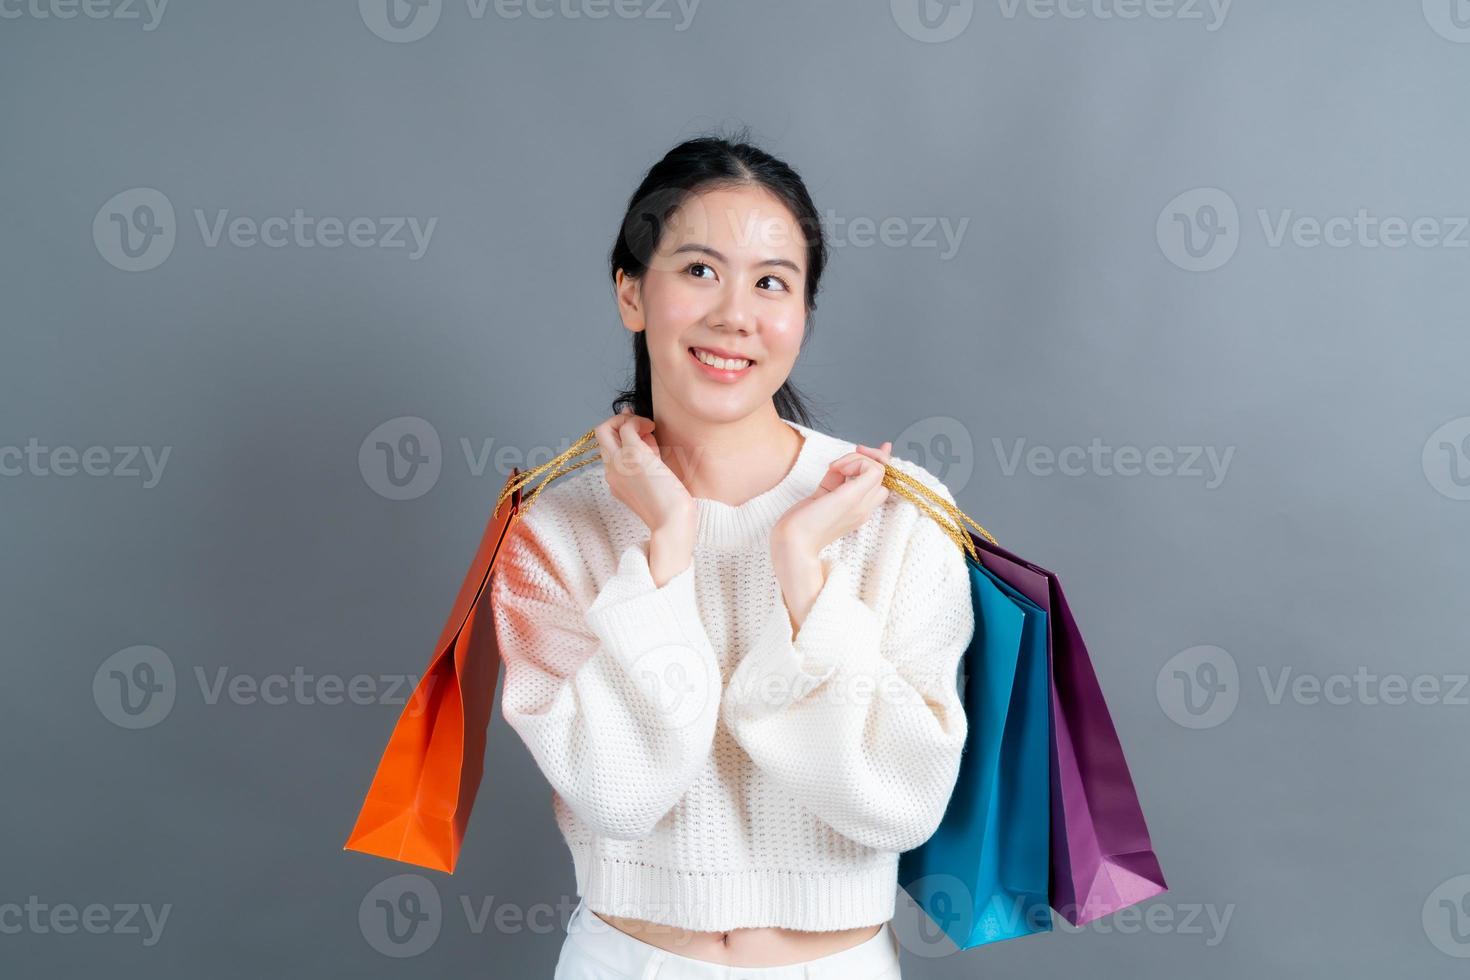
x: 729, y: 648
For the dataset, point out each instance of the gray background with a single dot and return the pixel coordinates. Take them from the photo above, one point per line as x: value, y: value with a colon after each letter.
x: 1332, y: 836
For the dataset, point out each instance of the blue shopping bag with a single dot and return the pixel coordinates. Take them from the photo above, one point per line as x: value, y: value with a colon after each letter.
x: 983, y: 875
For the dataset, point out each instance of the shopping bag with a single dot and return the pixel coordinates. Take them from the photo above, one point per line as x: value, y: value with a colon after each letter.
x: 419, y: 803
x: 1102, y: 857
x: 982, y: 876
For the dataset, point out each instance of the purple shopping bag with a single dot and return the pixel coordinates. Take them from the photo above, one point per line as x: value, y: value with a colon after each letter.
x: 1101, y: 856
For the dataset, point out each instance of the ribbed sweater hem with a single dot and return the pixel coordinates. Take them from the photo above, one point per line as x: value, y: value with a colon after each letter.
x: 715, y: 901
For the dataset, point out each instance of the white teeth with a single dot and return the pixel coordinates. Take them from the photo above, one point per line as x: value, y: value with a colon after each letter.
x: 724, y: 364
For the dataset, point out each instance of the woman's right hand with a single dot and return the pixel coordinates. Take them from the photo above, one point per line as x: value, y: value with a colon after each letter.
x: 637, y: 476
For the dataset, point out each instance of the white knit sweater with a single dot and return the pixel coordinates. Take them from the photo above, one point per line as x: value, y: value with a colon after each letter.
x: 707, y: 770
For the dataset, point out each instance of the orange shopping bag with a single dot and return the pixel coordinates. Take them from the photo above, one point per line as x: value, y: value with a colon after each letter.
x: 419, y: 803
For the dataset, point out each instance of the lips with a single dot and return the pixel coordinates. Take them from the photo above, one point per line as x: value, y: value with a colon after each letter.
x: 720, y: 375
x: 721, y: 352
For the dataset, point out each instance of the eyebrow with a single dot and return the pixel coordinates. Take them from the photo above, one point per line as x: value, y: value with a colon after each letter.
x: 697, y: 247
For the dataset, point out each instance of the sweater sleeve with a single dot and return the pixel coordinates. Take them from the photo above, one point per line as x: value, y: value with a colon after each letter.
x: 859, y: 719
x: 616, y: 698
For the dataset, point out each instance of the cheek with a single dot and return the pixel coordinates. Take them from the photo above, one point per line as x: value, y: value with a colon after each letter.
x: 782, y: 333
x: 672, y: 302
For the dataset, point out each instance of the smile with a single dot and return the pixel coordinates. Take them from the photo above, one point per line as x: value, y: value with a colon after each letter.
x: 720, y: 368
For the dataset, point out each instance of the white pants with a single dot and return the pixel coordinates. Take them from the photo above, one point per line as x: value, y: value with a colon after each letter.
x: 594, y: 950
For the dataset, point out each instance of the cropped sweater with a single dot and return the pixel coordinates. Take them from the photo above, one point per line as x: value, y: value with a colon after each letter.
x: 708, y: 770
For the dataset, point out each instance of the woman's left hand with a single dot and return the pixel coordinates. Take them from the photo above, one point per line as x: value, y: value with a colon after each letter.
x: 847, y: 496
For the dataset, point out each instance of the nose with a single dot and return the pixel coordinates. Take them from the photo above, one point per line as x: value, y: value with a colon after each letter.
x: 732, y: 312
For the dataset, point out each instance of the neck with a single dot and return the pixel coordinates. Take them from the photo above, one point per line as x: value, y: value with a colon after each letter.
x: 729, y: 462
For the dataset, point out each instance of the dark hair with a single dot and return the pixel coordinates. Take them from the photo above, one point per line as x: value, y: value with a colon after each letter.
x: 689, y: 168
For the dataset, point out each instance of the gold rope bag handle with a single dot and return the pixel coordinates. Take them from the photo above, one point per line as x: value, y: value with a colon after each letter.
x: 953, y: 520
x: 519, y: 480
x: 950, y: 517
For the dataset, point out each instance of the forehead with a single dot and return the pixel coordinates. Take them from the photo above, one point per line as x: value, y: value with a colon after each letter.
x: 745, y: 219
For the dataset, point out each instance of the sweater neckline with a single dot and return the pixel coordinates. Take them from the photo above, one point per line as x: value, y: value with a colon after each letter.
x: 749, y: 524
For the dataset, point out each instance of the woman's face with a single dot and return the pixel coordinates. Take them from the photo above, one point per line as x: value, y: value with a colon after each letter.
x: 729, y: 275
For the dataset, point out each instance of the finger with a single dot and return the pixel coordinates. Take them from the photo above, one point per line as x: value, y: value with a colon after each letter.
x: 613, y: 441
x: 852, y: 468
x: 630, y: 428
x: 873, y: 501
x: 606, y: 443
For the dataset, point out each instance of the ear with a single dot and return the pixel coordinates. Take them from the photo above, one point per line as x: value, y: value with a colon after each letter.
x: 629, y: 292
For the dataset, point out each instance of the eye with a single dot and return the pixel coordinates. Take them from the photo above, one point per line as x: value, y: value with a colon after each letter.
x: 698, y: 265
x: 784, y: 284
